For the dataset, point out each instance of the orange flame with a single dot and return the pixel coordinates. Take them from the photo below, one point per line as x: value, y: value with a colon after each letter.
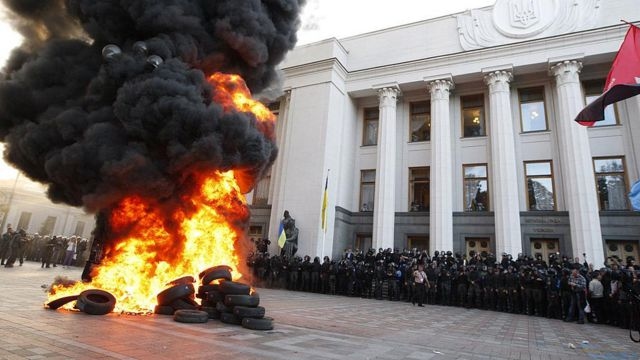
x: 162, y: 241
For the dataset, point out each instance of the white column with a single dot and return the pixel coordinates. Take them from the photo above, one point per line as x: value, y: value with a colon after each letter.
x: 385, y: 200
x: 502, y: 169
x: 577, y: 166
x: 441, y: 202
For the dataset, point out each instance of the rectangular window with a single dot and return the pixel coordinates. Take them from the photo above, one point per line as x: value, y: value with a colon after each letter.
x: 592, y: 90
x: 610, y: 183
x: 79, y: 228
x: 25, y: 219
x: 532, y: 111
x: 367, y: 189
x: 419, y: 189
x: 418, y: 242
x: 370, y: 133
x: 473, y: 123
x: 420, y: 121
x: 476, y: 187
x: 540, y: 194
x: 48, y: 226
x: 261, y: 191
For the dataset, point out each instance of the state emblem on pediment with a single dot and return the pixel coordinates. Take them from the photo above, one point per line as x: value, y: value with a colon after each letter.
x: 523, y: 18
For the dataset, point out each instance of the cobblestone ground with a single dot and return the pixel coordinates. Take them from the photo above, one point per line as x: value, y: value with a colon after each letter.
x: 308, y: 326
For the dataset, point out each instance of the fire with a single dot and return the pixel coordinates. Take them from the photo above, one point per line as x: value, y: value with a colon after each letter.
x: 158, y: 241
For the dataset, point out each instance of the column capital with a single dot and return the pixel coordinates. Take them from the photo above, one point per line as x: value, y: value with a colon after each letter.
x: 567, y: 71
x: 440, y: 89
x: 498, y: 80
x: 388, y: 96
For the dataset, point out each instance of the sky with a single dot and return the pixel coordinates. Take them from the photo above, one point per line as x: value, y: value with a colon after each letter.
x: 321, y: 19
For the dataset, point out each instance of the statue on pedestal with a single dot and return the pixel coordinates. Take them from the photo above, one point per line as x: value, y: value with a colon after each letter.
x: 291, y: 232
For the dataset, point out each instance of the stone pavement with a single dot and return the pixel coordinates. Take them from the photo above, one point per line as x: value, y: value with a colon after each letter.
x: 308, y: 326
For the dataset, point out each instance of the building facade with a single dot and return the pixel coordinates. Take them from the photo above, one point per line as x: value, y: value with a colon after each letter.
x: 457, y: 133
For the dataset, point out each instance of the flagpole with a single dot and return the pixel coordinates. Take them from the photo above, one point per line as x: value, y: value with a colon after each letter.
x: 628, y: 23
x: 324, y: 229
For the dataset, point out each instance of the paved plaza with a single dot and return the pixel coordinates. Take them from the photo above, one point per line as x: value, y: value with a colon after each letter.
x: 308, y: 326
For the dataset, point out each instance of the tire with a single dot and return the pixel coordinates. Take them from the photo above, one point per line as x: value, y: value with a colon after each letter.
x: 206, y: 271
x: 184, y: 304
x: 182, y: 281
x: 216, y: 274
x: 213, y: 312
x: 169, y: 295
x: 214, y: 296
x: 163, y: 310
x: 191, y: 316
x: 234, y: 288
x: 249, y: 312
x: 55, y: 304
x: 223, y: 308
x: 242, y: 300
x: 96, y: 302
x: 204, y: 289
x: 229, y: 318
x: 258, y: 324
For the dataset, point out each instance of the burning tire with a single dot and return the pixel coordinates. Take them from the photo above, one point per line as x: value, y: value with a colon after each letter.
x: 216, y: 274
x: 234, y: 288
x: 191, y: 316
x: 230, y: 318
x: 182, y: 281
x: 249, y: 312
x: 163, y: 310
x: 215, y: 268
x: 55, y: 304
x: 242, y: 300
x: 214, y: 296
x: 167, y: 296
x: 213, y: 312
x: 223, y: 308
x: 204, y: 289
x: 96, y: 302
x: 257, y: 324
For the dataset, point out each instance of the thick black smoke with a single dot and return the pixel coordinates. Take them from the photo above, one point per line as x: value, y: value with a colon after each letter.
x: 95, y: 130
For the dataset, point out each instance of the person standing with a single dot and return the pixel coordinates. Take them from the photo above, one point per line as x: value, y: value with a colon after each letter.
x: 421, y: 283
x: 596, y: 296
x: 578, y: 285
x: 5, y: 245
x: 71, y: 251
x: 17, y: 242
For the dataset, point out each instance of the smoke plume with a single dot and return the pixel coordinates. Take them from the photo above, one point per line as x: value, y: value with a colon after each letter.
x: 95, y: 130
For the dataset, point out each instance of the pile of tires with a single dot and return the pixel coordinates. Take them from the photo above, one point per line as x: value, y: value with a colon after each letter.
x: 179, y: 295
x: 231, y: 302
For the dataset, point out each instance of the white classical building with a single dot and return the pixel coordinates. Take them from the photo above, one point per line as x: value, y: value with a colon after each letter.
x: 457, y: 133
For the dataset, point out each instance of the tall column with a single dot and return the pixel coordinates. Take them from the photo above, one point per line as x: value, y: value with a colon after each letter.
x: 441, y: 202
x: 503, y: 165
x: 385, y: 197
x: 577, y: 167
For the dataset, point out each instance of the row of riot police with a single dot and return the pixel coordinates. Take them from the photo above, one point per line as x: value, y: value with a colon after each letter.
x: 521, y: 286
x: 49, y: 250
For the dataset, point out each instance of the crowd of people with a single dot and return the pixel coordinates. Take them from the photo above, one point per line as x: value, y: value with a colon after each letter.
x: 18, y: 246
x: 559, y: 287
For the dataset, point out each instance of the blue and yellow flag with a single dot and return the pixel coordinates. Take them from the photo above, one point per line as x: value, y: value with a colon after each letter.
x: 282, y: 237
x: 325, y: 200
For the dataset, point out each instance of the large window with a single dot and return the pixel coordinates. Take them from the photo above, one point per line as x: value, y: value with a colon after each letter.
x: 610, y: 183
x: 25, y: 219
x: 420, y: 121
x: 367, y: 189
x: 473, y: 123
x: 593, y: 90
x: 419, y: 189
x: 261, y: 191
x: 540, y: 195
x: 532, y: 111
x: 363, y: 242
x: 371, y: 120
x: 476, y: 188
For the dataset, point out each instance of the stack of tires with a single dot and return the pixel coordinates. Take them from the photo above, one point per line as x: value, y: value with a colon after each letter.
x: 231, y: 302
x: 180, y: 295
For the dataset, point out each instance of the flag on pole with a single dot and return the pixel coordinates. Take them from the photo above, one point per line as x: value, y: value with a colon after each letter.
x: 282, y: 237
x: 634, y: 196
x: 623, y: 81
x: 325, y: 200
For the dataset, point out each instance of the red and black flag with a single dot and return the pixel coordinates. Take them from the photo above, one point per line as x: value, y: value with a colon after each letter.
x: 623, y: 81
